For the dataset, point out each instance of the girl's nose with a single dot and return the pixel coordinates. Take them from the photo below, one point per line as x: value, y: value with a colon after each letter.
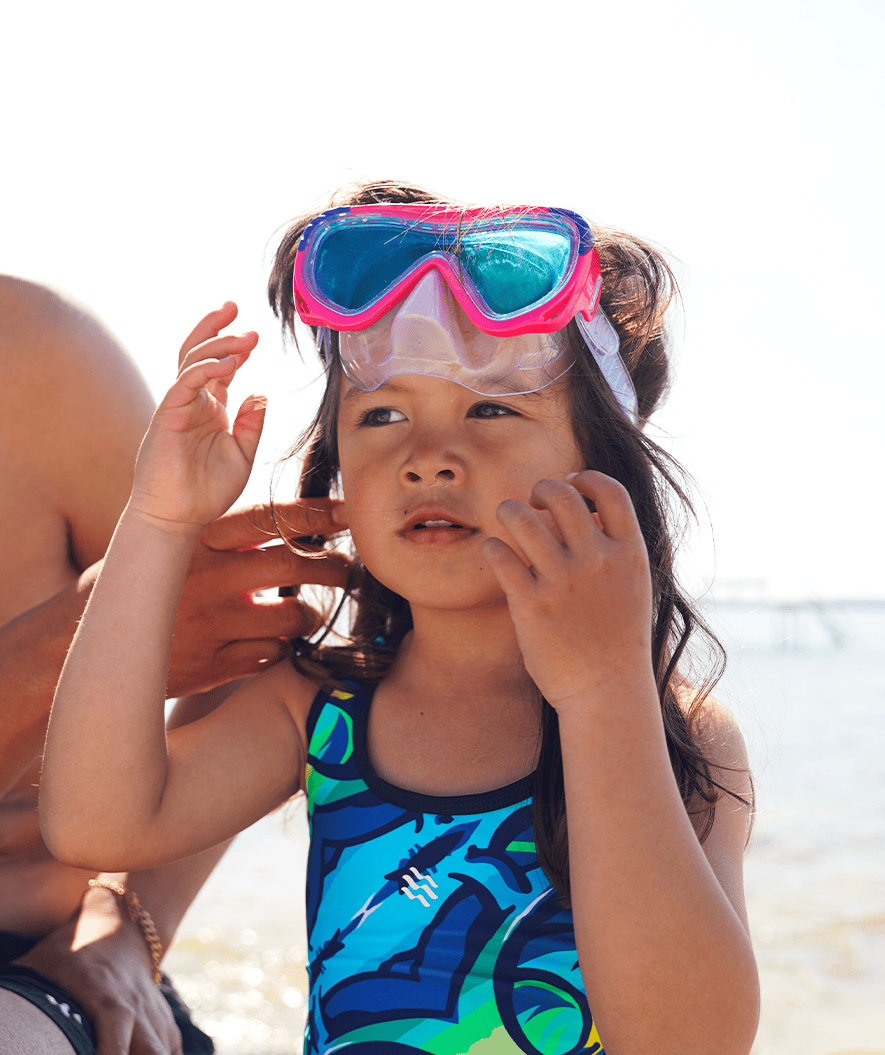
x: 441, y: 476
x: 433, y: 461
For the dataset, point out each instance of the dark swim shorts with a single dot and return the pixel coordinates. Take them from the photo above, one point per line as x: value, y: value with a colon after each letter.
x: 67, y: 1014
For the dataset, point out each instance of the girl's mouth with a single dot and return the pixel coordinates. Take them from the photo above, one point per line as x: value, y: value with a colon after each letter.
x: 436, y: 530
x: 425, y: 524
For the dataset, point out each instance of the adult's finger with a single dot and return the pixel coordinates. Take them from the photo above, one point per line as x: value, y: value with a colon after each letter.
x: 209, y: 326
x: 237, y: 659
x: 234, y: 572
x: 151, y: 1036
x: 280, y: 566
x: 270, y: 617
x: 255, y: 525
x: 113, y: 1030
x: 240, y: 659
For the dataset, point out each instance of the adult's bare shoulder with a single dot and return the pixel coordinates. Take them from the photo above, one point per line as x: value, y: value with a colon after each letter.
x: 75, y: 411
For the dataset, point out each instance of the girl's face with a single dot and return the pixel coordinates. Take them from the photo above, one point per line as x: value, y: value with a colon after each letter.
x: 425, y: 463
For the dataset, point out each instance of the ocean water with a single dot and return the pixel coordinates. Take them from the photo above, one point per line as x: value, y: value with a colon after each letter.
x: 807, y: 685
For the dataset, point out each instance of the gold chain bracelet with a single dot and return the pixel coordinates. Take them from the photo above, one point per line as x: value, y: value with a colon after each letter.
x: 140, y: 917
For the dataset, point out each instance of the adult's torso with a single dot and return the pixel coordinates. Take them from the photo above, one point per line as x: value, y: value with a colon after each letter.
x: 37, y: 893
x: 75, y: 409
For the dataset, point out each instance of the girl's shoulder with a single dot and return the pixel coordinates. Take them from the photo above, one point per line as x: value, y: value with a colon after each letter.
x: 282, y: 684
x: 722, y: 825
x: 716, y: 733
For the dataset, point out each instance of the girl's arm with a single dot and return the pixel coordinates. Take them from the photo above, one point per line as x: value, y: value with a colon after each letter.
x: 659, y: 919
x: 111, y: 795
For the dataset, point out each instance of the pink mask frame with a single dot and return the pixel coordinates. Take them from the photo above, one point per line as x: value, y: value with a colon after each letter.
x: 575, y: 288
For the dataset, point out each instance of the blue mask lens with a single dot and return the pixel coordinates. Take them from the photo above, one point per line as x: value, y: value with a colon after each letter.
x: 511, y: 269
x: 514, y: 270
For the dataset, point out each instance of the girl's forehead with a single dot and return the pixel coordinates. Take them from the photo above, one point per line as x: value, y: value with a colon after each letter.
x: 418, y: 386
x: 422, y: 386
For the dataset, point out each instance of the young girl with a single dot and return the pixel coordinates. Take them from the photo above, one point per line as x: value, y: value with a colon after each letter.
x: 526, y: 825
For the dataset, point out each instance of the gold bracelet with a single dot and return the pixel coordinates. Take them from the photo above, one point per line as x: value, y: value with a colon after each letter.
x: 139, y: 916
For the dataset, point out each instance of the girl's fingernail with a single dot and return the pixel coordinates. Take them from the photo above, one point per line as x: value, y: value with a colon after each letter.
x: 571, y: 476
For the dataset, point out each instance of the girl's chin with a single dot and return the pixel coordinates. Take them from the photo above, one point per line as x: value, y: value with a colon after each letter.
x: 452, y: 598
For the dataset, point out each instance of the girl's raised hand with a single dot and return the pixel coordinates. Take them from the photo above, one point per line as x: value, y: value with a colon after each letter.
x: 582, y: 609
x: 193, y: 465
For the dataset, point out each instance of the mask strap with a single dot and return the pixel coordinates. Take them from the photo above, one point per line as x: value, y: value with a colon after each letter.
x: 602, y: 340
x: 324, y: 344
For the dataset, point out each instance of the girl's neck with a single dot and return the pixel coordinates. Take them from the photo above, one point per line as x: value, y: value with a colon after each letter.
x: 462, y: 655
x: 456, y: 714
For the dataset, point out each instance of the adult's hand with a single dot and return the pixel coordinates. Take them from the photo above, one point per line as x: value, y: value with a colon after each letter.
x: 222, y: 630
x: 101, y: 959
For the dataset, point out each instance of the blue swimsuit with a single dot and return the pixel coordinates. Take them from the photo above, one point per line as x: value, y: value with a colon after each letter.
x: 431, y: 925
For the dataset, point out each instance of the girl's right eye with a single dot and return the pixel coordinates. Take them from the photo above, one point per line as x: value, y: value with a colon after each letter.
x: 381, y: 416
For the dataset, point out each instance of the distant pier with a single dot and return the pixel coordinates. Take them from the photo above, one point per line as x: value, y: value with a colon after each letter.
x: 793, y: 622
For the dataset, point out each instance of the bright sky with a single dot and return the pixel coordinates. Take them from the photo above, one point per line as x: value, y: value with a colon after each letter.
x: 151, y: 152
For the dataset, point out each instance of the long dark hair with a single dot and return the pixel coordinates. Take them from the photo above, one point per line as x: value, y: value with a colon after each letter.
x: 638, y: 287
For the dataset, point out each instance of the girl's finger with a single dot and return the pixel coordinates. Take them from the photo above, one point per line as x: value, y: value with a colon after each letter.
x: 613, y: 504
x: 218, y: 391
x: 514, y: 578
x: 248, y: 424
x: 209, y: 326
x: 218, y: 347
x: 534, y: 538
x: 566, y: 505
x: 196, y: 377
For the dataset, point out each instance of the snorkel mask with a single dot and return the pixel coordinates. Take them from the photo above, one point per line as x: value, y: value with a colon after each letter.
x: 477, y: 296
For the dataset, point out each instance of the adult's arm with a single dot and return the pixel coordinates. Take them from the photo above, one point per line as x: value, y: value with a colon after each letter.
x: 222, y: 631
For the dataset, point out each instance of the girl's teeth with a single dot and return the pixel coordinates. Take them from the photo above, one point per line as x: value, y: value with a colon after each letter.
x: 438, y: 523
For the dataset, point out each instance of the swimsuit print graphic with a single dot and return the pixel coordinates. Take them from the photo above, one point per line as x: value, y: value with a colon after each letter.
x: 416, y: 891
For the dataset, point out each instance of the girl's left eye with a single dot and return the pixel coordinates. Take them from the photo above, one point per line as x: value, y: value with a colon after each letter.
x: 491, y: 410
x: 381, y: 416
